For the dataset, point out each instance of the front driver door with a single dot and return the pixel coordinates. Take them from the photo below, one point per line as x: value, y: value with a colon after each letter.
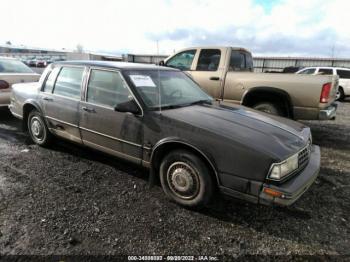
x: 102, y: 127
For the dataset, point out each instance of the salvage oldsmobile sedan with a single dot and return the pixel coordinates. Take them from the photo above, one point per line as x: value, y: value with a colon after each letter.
x: 159, y: 118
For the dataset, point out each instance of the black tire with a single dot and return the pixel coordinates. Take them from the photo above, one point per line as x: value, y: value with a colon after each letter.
x: 340, y: 94
x: 37, y: 129
x: 186, y: 179
x: 269, y: 108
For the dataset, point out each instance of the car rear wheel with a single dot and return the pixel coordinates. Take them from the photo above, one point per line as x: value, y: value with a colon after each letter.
x: 186, y: 179
x: 38, y: 130
x: 269, y: 108
x: 340, y: 96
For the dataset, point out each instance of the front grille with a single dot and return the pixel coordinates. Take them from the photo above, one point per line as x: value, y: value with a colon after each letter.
x: 304, y: 156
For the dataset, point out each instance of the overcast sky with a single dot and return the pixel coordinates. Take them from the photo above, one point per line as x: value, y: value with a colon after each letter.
x: 276, y: 27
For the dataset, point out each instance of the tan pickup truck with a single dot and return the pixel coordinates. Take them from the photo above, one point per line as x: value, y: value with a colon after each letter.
x: 226, y: 73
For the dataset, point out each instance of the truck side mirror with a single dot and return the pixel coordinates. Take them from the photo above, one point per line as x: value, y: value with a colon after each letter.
x: 161, y: 63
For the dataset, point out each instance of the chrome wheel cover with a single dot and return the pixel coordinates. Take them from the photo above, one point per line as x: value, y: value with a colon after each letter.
x: 183, y: 180
x: 37, y: 128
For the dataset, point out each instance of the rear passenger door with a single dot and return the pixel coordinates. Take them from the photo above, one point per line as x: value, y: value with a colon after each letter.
x: 102, y: 127
x: 60, y: 98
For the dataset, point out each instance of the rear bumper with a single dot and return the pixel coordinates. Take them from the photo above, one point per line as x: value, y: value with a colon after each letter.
x: 295, y: 187
x: 328, y: 113
x: 5, y: 98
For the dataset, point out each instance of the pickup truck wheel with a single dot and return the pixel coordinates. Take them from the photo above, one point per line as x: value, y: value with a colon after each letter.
x: 186, y: 179
x: 38, y: 130
x: 340, y: 96
x: 269, y: 108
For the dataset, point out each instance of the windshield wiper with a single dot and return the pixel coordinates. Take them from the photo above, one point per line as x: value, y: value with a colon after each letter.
x: 200, y: 102
x: 203, y: 101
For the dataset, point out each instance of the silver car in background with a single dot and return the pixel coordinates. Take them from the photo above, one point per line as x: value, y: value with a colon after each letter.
x: 13, y: 71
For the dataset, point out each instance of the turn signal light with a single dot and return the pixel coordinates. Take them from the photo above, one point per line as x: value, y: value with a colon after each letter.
x: 326, y: 89
x: 272, y: 192
x: 4, y: 84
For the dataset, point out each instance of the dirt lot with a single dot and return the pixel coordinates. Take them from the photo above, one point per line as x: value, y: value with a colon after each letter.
x: 71, y: 200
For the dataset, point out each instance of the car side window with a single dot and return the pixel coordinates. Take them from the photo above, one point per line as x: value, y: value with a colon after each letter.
x: 345, y: 74
x: 50, y: 81
x: 183, y: 60
x: 208, y: 60
x: 107, y: 88
x: 325, y: 71
x: 69, y: 81
x: 308, y: 71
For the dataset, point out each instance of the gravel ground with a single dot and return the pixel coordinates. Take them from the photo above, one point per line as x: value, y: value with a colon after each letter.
x: 71, y: 200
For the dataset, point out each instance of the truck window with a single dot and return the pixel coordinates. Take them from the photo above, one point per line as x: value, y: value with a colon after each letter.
x: 240, y: 61
x: 325, y: 71
x: 208, y: 60
x: 68, y: 82
x: 343, y: 73
x: 182, y: 61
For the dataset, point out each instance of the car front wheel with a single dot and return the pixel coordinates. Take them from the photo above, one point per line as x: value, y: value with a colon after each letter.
x: 186, y: 179
x: 38, y: 130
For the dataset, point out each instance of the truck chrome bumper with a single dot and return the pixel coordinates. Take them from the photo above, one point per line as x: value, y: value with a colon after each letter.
x: 329, y: 113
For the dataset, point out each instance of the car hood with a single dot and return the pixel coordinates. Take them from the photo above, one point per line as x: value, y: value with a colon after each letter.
x: 279, y: 137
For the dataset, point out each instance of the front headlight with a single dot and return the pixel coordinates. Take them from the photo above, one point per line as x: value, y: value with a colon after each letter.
x: 280, y: 170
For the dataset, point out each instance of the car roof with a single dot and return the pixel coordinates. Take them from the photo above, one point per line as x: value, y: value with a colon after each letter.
x: 117, y: 65
x: 327, y: 67
x: 236, y: 48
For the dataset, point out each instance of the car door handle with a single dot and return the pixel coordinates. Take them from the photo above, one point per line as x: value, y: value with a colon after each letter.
x: 48, y: 99
x: 214, y: 78
x: 89, y: 110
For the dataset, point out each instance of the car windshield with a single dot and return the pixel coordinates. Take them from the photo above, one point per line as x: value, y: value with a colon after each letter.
x: 167, y: 88
x: 13, y: 66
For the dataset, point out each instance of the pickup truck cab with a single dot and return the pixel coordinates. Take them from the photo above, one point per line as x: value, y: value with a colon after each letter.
x: 226, y: 73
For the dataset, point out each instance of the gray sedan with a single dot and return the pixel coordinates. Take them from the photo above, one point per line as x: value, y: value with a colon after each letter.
x: 159, y: 118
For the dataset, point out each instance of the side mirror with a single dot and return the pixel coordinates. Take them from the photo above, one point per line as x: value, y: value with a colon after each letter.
x: 129, y: 106
x: 161, y: 63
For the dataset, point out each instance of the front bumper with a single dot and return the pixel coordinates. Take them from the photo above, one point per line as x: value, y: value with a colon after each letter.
x: 329, y: 113
x: 295, y: 187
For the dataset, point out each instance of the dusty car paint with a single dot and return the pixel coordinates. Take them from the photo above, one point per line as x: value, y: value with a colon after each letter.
x: 238, y: 144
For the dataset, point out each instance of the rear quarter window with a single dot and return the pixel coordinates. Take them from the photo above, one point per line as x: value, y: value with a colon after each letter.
x: 50, y: 81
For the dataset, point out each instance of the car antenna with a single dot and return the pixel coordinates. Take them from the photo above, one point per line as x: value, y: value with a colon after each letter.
x: 159, y: 94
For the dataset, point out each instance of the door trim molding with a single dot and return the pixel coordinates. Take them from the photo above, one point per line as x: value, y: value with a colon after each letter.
x: 111, y: 137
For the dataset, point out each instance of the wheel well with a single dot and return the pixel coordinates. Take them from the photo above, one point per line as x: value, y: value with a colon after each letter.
x: 161, y: 151
x: 278, y: 98
x: 27, y: 108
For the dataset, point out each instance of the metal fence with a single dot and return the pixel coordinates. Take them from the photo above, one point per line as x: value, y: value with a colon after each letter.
x: 264, y: 64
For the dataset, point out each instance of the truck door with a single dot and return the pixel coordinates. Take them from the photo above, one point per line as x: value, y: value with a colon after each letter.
x: 209, y: 70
